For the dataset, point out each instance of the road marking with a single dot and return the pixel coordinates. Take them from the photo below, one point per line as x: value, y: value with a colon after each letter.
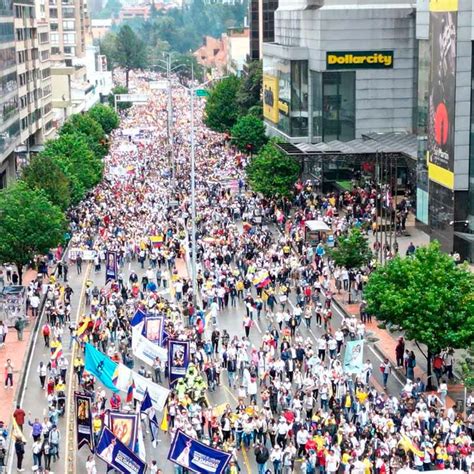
x: 70, y: 402
x: 258, y: 327
x: 230, y: 392
x: 246, y: 460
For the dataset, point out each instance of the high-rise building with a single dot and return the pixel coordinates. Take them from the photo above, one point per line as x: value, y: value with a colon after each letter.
x: 262, y: 25
x: 33, y: 73
x: 9, y: 119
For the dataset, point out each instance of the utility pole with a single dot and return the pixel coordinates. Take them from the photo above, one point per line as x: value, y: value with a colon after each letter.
x: 170, y: 120
x: 193, y: 200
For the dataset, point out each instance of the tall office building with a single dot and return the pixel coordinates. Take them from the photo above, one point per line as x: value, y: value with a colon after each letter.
x: 9, y: 120
x: 262, y: 25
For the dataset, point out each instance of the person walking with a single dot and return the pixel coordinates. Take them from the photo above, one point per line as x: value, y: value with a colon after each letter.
x: 261, y: 457
x: 42, y: 372
x: 9, y: 374
x: 19, y: 415
x: 37, y: 450
x: 386, y: 369
x: 79, y: 264
x: 20, y: 452
x: 54, y: 438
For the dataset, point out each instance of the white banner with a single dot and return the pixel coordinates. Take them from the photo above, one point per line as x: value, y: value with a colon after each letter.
x: 146, y: 350
x: 158, y: 394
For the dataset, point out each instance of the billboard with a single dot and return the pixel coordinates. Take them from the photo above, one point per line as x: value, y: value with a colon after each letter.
x: 359, y: 60
x: 270, y: 98
x: 442, y: 101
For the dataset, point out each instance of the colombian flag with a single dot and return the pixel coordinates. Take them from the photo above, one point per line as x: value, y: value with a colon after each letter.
x: 262, y: 279
x: 157, y: 240
x: 83, y: 326
x: 57, y: 352
x: 131, y: 388
x: 408, y: 445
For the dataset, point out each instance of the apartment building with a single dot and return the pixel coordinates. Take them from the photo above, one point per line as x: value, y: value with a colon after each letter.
x: 9, y: 117
x: 33, y: 74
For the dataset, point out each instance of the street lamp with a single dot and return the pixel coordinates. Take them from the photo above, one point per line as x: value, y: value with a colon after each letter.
x: 192, y: 91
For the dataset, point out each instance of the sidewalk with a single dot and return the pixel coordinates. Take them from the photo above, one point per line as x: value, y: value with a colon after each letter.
x: 16, y: 351
x: 385, y: 343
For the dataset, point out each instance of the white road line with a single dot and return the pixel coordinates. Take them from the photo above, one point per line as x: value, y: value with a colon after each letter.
x: 258, y: 327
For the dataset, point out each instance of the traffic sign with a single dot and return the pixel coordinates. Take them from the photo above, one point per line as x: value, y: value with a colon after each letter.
x: 202, y: 93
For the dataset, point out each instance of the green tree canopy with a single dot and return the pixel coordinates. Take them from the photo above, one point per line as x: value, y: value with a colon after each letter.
x: 29, y: 225
x: 43, y: 173
x: 73, y: 155
x: 272, y: 173
x: 91, y: 131
x: 250, y: 90
x: 105, y: 116
x: 427, y: 296
x: 120, y: 105
x: 221, y: 110
x: 129, y: 51
x: 352, y: 250
x: 248, y: 134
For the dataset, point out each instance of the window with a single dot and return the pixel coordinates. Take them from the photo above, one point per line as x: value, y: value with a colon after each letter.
x: 47, y: 90
x: 69, y: 50
x: 46, y: 73
x: 53, y: 13
x: 54, y: 38
x: 47, y: 108
x: 69, y: 38
x: 44, y: 55
x: 68, y: 25
x: 55, y: 50
x: 44, y: 38
x: 21, y: 57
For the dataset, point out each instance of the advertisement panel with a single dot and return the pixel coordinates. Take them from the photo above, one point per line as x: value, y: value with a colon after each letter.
x: 443, y: 33
x: 270, y: 98
x: 359, y: 60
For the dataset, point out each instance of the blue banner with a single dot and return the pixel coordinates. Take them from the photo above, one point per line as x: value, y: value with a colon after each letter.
x: 117, y: 455
x: 196, y: 456
x: 124, y: 426
x: 138, y: 317
x: 154, y: 326
x: 178, y: 359
x: 354, y: 357
x: 111, y: 266
x: 101, y: 366
x: 166, y: 336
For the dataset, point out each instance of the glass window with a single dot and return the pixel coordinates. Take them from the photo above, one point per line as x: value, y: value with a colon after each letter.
x: 317, y: 105
x: 299, y: 98
x: 338, y: 106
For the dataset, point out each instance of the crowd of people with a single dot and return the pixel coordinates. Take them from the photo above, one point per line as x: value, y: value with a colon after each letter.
x: 292, y: 405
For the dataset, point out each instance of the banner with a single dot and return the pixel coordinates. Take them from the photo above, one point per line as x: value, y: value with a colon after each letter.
x: 145, y: 350
x: 158, y: 394
x: 111, y: 266
x: 354, y: 357
x: 154, y: 326
x: 83, y: 420
x: 112, y: 451
x: 178, y: 359
x: 101, y: 366
x: 196, y: 456
x: 124, y: 426
x: 442, y: 100
x: 270, y: 98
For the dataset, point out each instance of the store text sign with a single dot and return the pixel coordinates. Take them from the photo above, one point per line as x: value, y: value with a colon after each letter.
x: 359, y: 60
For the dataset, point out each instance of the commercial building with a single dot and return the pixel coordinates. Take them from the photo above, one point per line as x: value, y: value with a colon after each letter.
x: 261, y: 23
x: 9, y: 119
x: 363, y: 79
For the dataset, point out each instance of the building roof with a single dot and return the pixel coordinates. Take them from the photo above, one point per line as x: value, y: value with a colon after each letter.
x: 370, y: 143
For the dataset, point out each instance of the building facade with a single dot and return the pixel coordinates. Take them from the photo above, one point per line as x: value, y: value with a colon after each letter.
x: 262, y: 25
x: 9, y: 121
x: 338, y: 70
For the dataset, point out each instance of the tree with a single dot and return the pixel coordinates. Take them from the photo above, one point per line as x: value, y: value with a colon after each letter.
x: 221, y: 110
x: 352, y: 250
x: 43, y: 173
x: 428, y: 297
x: 73, y: 155
x: 91, y: 130
x: 250, y: 90
x: 130, y: 51
x: 120, y: 105
x: 107, y: 48
x: 248, y: 134
x: 30, y: 225
x: 272, y: 173
x: 105, y: 116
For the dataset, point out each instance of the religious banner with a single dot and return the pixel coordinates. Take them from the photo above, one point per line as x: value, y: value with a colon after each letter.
x: 354, y: 357
x: 111, y: 266
x: 83, y: 420
x: 138, y: 317
x: 116, y: 455
x: 124, y: 426
x: 178, y: 359
x: 196, y: 456
x: 145, y: 350
x: 154, y: 326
